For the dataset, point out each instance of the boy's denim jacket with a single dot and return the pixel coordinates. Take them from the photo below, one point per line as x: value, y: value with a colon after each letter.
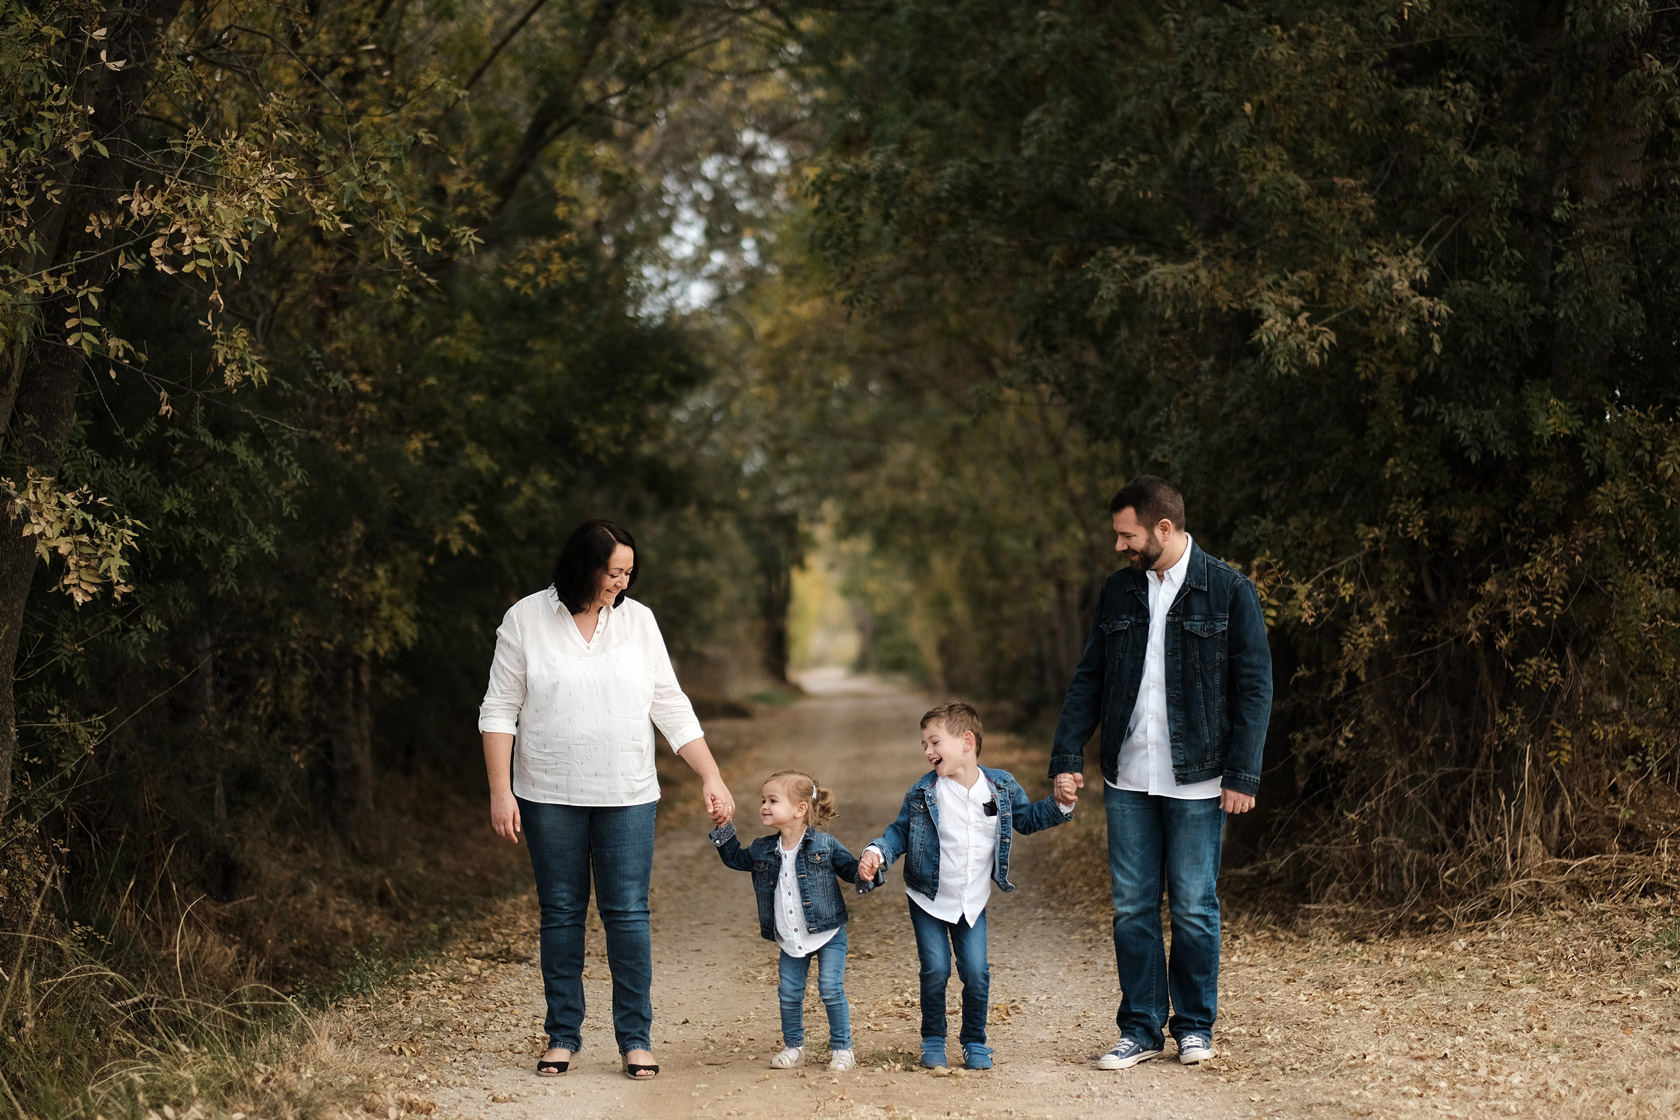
x: 819, y: 860
x: 915, y: 834
x: 1219, y: 676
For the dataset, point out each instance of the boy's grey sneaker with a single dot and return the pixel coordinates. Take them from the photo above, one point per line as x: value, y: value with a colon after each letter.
x: 1127, y: 1052
x: 1193, y: 1048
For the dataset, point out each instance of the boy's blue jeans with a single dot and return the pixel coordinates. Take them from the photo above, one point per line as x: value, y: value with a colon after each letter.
x: 831, y: 986
x: 1152, y: 840
x: 616, y: 842
x: 936, y: 942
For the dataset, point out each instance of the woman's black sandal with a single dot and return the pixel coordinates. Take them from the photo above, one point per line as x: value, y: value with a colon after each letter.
x: 552, y: 1069
x: 634, y: 1072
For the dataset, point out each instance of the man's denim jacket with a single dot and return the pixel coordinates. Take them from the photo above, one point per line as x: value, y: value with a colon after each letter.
x: 819, y: 860
x: 1219, y: 676
x: 915, y: 834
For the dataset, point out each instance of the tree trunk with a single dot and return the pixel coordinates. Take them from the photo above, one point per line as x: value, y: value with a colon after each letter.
x: 352, y: 747
x: 44, y: 407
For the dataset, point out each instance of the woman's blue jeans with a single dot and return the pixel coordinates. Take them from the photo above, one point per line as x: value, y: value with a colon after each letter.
x: 936, y: 942
x: 831, y: 986
x: 1154, y: 841
x: 567, y: 842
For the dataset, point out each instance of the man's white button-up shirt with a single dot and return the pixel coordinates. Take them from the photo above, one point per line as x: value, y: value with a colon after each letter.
x: 1146, y: 756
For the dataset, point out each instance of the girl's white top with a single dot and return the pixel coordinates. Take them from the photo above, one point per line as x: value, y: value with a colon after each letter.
x: 583, y: 713
x: 793, y: 932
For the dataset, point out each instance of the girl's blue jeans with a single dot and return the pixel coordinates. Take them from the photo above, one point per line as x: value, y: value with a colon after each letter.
x: 567, y: 843
x: 936, y: 943
x: 831, y: 986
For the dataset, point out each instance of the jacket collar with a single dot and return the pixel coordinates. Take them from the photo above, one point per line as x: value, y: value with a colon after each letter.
x: 775, y: 839
x: 1195, y: 575
x: 927, y: 781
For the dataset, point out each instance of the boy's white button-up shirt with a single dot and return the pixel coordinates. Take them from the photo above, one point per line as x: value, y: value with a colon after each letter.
x: 793, y: 933
x: 967, y: 851
x: 1145, y: 763
x: 583, y: 712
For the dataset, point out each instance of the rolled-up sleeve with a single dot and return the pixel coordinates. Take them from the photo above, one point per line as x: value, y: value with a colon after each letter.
x: 672, y: 713
x: 505, y: 697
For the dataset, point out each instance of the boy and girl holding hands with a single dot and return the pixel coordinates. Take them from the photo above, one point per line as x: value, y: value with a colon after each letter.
x: 954, y: 831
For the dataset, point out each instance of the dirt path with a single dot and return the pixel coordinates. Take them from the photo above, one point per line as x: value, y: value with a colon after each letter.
x: 466, y: 1040
x: 1530, y: 1021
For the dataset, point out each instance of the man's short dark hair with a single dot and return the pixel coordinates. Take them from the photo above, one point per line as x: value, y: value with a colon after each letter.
x: 584, y: 557
x: 1152, y: 499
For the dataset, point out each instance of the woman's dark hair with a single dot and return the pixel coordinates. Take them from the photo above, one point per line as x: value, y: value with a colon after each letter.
x: 584, y: 557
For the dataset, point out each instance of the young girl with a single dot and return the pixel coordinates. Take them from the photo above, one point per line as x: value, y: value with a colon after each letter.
x: 800, y: 906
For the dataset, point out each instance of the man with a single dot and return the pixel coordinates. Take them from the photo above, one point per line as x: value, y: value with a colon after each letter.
x: 1177, y: 671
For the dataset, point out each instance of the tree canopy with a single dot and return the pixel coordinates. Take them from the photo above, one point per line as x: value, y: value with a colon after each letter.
x: 323, y: 323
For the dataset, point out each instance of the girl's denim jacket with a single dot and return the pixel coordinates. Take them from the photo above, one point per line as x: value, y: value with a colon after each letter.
x: 915, y: 834
x: 819, y: 861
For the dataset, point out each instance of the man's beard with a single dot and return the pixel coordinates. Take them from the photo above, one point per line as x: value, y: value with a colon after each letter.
x: 1144, y: 558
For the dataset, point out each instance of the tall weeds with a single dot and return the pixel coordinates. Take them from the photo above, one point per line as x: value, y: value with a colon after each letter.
x: 95, y: 1028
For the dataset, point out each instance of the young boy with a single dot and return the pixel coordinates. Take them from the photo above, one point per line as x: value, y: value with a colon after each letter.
x: 954, y: 832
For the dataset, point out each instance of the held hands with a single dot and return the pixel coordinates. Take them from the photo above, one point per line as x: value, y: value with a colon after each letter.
x: 504, y: 815
x: 869, y: 865
x: 720, y: 806
x: 1066, y: 786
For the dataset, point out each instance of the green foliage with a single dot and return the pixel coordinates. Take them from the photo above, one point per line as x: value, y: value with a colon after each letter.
x: 1388, y: 289
x: 372, y: 305
x: 971, y: 491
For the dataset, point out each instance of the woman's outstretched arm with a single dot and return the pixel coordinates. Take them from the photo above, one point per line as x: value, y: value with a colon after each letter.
x: 720, y: 806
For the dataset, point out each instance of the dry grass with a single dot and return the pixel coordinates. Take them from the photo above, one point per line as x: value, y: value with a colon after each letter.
x: 1566, y: 1010
x: 182, y: 1005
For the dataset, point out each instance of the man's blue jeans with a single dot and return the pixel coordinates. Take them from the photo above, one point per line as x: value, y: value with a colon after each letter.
x: 935, y: 942
x: 1151, y: 840
x: 831, y: 986
x: 567, y: 842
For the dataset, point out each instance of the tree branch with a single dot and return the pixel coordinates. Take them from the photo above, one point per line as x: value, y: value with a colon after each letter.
x: 501, y: 45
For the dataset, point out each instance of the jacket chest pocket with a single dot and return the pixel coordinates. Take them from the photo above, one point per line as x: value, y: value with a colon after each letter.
x: 1116, y: 632
x: 761, y: 866
x: 920, y: 823
x: 1205, y: 654
x: 1205, y: 636
x: 817, y: 860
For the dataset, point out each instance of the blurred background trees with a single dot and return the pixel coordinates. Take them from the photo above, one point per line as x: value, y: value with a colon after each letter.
x: 328, y: 321
x: 1388, y: 289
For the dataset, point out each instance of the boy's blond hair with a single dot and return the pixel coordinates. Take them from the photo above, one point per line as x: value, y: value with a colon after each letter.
x: 957, y: 718
x: 801, y: 787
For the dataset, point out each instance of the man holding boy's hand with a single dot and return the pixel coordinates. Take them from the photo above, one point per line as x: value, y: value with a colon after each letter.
x: 1177, y: 671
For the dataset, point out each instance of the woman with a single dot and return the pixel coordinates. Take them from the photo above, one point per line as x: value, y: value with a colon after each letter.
x: 581, y: 677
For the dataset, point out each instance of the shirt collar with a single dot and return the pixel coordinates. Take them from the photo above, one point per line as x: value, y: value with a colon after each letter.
x: 980, y: 791
x: 1175, y: 574
x: 554, y: 602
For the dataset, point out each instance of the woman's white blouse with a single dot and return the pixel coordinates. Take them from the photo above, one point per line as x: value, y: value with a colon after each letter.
x: 583, y: 713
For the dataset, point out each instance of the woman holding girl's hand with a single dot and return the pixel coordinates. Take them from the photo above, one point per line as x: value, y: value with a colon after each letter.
x: 580, y: 679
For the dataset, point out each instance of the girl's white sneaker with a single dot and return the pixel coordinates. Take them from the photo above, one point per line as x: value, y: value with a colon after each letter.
x: 788, y: 1058
x: 841, y: 1059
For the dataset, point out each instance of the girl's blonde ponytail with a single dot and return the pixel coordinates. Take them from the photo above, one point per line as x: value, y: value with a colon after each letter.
x: 801, y: 787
